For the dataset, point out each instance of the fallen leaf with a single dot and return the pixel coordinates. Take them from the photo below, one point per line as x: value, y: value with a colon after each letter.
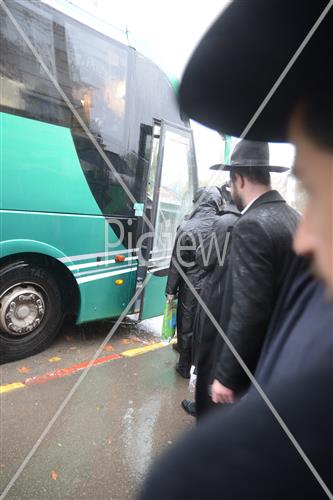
x: 109, y: 440
x: 55, y: 359
x: 125, y: 341
x: 108, y: 348
x: 72, y: 348
x: 68, y: 338
x: 24, y: 369
x: 54, y: 475
x: 136, y: 339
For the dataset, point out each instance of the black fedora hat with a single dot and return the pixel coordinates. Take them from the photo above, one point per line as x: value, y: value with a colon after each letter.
x: 242, y: 57
x: 250, y: 154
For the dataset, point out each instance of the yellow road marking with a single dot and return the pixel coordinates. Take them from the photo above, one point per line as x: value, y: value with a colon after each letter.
x: 141, y: 350
x: 55, y: 359
x: 11, y: 387
x: 129, y: 353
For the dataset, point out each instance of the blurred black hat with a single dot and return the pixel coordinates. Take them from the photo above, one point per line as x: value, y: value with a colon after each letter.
x: 242, y: 57
x: 250, y: 154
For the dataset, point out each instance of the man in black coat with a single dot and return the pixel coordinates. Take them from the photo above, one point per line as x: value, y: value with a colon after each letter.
x: 191, y: 233
x: 249, y: 451
x: 211, y: 257
x: 261, y: 258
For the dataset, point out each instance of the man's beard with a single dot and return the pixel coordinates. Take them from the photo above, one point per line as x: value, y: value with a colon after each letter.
x: 237, y: 200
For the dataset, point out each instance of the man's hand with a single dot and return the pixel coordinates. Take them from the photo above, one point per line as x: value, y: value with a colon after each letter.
x: 221, y: 394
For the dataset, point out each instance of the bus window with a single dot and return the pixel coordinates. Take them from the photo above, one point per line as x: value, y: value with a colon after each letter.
x: 153, y: 164
x: 25, y: 87
x: 97, y: 72
x: 175, y: 192
x: 98, y: 76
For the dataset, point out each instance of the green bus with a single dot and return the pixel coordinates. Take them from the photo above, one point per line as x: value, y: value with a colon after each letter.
x: 94, y: 153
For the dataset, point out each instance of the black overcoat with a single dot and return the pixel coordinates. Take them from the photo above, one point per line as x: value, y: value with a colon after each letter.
x: 241, y: 452
x: 190, y: 235
x: 209, y: 257
x: 261, y: 261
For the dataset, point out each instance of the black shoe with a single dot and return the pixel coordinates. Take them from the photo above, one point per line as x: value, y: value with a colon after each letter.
x: 189, y: 407
x: 183, y: 371
x: 176, y: 347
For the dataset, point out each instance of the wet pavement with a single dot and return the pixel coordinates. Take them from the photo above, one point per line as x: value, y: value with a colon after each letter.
x: 122, y: 416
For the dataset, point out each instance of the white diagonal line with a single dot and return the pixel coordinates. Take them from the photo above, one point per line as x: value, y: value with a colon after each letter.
x: 203, y: 305
x: 136, y: 295
x: 72, y: 392
x: 277, y: 83
x: 254, y: 382
x: 287, y: 68
x: 73, y: 110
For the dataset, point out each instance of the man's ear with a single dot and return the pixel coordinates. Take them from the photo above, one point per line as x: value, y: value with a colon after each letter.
x: 241, y: 181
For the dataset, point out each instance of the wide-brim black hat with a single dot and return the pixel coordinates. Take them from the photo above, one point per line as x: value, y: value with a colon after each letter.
x: 250, y: 154
x: 226, y: 167
x: 241, y: 58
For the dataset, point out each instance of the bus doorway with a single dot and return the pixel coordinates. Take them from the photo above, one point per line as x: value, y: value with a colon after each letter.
x: 172, y: 181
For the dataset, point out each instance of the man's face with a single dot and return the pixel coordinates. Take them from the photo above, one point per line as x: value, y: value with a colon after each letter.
x: 314, y: 237
x: 235, y: 193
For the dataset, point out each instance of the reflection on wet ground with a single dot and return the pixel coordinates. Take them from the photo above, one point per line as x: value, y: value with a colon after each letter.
x: 77, y: 344
x: 124, y: 414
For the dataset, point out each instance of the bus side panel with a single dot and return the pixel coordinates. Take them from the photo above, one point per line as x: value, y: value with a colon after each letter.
x: 108, y: 293
x: 73, y: 241
x: 154, y: 297
x: 43, y: 185
x: 41, y: 170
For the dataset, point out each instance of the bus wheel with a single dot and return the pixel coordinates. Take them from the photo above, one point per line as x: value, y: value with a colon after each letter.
x: 31, y: 310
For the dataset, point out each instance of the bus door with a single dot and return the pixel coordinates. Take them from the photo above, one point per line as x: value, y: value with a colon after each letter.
x: 172, y: 180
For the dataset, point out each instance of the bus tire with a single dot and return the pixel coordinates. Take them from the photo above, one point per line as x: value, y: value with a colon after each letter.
x: 31, y: 310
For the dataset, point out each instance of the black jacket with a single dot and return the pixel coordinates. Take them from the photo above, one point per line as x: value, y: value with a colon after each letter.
x: 241, y: 452
x: 190, y: 235
x: 306, y: 313
x: 209, y: 257
x: 261, y: 257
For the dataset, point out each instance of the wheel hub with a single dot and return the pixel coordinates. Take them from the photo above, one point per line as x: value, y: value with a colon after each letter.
x: 22, y: 310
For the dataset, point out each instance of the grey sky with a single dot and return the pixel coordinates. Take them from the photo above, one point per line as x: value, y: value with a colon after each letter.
x: 165, y: 31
